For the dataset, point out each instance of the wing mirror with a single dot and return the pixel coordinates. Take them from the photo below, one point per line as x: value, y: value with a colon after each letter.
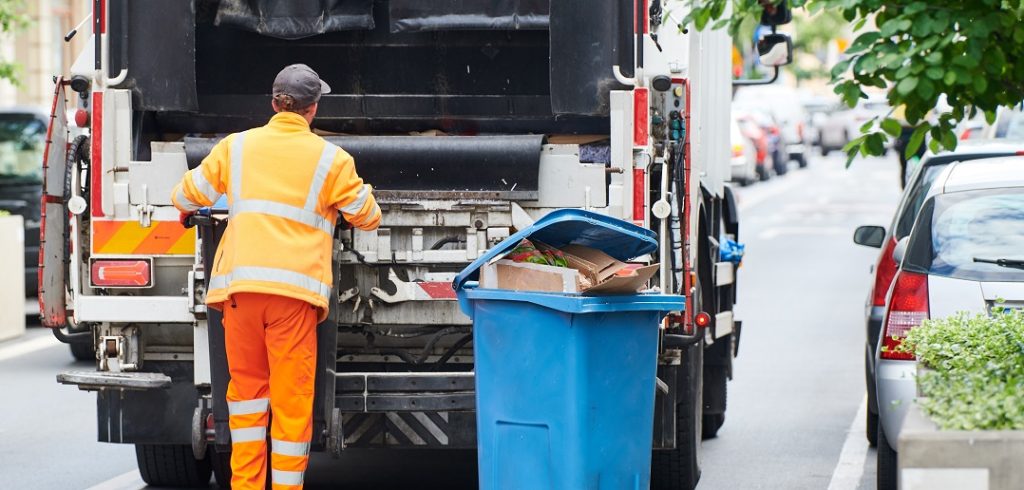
x: 900, y: 250
x: 776, y: 15
x: 869, y: 236
x: 775, y: 50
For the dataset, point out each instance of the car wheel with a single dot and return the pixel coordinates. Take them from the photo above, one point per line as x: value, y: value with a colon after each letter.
x: 801, y: 160
x: 872, y: 428
x: 887, y: 463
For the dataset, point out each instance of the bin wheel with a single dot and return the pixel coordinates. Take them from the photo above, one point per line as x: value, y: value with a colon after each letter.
x: 172, y: 465
x: 679, y: 468
x: 82, y: 351
x: 221, y: 463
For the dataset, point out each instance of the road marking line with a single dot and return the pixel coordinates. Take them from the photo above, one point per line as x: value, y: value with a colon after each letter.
x: 131, y: 480
x: 854, y: 454
x: 28, y: 346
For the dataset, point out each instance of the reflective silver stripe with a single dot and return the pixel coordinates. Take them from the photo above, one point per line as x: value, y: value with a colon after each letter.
x: 236, y: 166
x: 248, y: 434
x: 271, y: 274
x: 184, y: 201
x: 204, y: 186
x: 355, y: 206
x: 293, y: 213
x: 246, y: 407
x: 282, y: 477
x: 288, y: 448
x: 320, y: 175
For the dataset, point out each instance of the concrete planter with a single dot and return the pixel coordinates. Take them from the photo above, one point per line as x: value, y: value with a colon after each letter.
x: 934, y: 459
x: 12, y: 277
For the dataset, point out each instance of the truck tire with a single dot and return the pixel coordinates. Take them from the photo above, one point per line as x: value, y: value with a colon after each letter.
x: 82, y: 351
x: 172, y: 465
x: 221, y: 463
x: 887, y: 463
x: 715, y: 385
x: 679, y: 468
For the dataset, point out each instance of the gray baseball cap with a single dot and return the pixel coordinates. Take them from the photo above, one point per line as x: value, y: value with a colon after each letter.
x: 301, y: 83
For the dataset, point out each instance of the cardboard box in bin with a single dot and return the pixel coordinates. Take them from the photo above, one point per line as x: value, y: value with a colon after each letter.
x: 590, y: 271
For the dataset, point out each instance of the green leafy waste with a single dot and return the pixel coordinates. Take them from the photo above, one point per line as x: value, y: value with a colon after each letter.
x: 975, y: 370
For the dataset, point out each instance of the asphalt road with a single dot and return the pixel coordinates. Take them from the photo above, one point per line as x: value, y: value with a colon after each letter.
x: 792, y: 419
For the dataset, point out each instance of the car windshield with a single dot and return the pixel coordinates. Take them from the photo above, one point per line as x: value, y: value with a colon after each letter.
x: 1012, y: 127
x: 986, y: 224
x: 22, y: 139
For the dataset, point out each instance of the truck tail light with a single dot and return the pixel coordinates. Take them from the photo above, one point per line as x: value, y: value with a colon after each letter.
x: 121, y: 273
x: 639, y: 202
x: 885, y: 270
x: 908, y: 307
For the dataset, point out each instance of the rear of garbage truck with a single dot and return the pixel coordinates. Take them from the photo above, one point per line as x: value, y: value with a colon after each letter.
x: 471, y: 120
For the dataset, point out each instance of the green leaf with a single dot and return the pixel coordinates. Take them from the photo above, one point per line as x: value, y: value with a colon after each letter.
x: 949, y: 78
x: 841, y: 67
x: 935, y: 73
x: 915, y: 141
x: 948, y: 138
x: 867, y: 126
x: 980, y: 84
x: 925, y: 89
x: 876, y: 144
x: 862, y: 42
x: 892, y: 127
x: 906, y: 86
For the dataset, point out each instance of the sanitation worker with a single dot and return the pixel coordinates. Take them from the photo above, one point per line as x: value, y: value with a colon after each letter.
x: 272, y: 273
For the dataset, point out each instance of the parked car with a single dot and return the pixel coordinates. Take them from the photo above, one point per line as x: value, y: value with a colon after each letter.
x: 744, y: 155
x: 1009, y: 124
x: 818, y: 109
x: 964, y: 254
x: 844, y: 125
x: 784, y: 106
x: 22, y: 140
x: 885, y: 267
x: 761, y: 126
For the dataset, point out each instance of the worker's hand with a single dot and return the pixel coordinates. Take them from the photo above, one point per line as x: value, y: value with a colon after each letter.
x: 184, y: 219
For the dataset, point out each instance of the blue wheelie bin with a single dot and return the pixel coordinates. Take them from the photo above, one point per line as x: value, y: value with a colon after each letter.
x: 565, y: 383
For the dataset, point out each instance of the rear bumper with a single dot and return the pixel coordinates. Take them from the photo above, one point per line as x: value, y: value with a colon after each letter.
x: 896, y: 382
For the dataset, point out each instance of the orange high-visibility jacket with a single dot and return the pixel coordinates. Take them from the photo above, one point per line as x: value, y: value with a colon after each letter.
x: 285, y: 186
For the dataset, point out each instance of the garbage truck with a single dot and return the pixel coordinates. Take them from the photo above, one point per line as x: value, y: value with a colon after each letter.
x: 471, y: 119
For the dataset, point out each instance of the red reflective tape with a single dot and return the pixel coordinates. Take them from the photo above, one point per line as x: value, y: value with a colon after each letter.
x: 437, y: 290
x: 647, y: 17
x: 102, y: 17
x: 96, y: 167
x: 641, y: 121
x: 639, y: 190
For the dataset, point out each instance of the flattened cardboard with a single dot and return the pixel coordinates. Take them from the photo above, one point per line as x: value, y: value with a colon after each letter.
x: 625, y: 284
x: 524, y: 276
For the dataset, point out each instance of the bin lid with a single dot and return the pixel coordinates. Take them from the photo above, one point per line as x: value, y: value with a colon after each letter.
x: 221, y: 206
x: 617, y: 238
x: 576, y: 304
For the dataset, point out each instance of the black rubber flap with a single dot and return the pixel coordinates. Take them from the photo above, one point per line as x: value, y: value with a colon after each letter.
x: 585, y: 43
x: 448, y: 15
x: 296, y: 19
x: 504, y: 166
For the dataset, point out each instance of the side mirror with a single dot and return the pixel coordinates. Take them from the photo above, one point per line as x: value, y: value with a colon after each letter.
x: 776, y: 15
x: 869, y: 236
x: 775, y: 50
x: 900, y: 250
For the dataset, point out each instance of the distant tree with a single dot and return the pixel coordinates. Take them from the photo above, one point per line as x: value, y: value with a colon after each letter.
x: 12, y: 19
x: 970, y: 51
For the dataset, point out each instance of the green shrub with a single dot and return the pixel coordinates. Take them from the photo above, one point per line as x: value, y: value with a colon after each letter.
x: 975, y: 370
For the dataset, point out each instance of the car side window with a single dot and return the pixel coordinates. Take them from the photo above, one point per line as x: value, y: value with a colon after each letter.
x: 916, y: 199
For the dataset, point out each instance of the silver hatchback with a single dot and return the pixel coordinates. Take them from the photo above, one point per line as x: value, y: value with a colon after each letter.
x: 965, y: 253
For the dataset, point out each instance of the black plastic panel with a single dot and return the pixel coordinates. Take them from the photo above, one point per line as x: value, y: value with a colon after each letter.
x: 296, y: 19
x: 418, y: 15
x: 585, y: 44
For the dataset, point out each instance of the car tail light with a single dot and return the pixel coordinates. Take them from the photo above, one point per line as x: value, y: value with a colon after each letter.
x: 908, y: 307
x: 885, y: 270
x: 737, y: 150
x: 966, y: 135
x: 121, y: 273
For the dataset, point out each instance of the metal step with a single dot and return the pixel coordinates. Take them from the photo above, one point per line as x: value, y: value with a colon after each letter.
x: 97, y: 380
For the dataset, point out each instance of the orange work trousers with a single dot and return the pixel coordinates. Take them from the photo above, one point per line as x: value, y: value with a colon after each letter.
x: 271, y: 349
